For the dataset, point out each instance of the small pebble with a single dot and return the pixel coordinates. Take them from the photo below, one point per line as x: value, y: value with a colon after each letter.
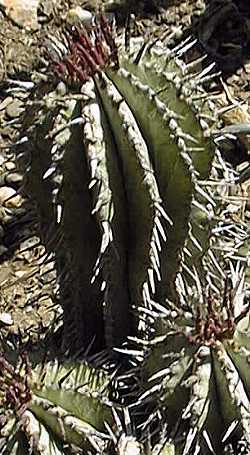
x: 10, y: 166
x: 6, y: 319
x: 61, y: 89
x: 29, y: 243
x: 14, y: 179
x: 6, y: 216
x: 6, y: 193
x: 3, y: 250
x: 8, y: 100
x: 14, y: 109
x: 5, y: 273
x: 29, y: 309
x: 79, y: 15
x: 19, y: 273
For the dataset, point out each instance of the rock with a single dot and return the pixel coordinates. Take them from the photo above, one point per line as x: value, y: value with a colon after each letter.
x: 29, y: 243
x: 14, y: 109
x: 3, y: 250
x: 29, y: 309
x: 61, y: 89
x: 25, y: 247
x: 5, y: 274
x: 9, y: 198
x: 22, y: 12
x: 6, y: 319
x: 19, y: 273
x: 8, y: 100
x: 10, y: 166
x: 14, y: 179
x: 5, y: 215
x: 79, y: 15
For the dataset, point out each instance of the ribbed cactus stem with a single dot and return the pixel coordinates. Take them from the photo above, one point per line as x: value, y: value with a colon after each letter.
x: 123, y: 168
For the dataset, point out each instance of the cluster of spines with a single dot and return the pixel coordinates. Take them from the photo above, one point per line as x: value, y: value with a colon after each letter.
x: 197, y: 159
x: 106, y: 255
x: 200, y: 369
x: 79, y: 54
x: 160, y: 176
x: 142, y: 192
x: 66, y: 404
x: 207, y: 198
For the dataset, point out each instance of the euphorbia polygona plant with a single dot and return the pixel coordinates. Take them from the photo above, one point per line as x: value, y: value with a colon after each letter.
x: 120, y: 159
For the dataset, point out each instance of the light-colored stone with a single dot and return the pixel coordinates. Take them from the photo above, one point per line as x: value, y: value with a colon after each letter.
x: 14, y: 179
x: 29, y: 243
x: 10, y: 166
x: 5, y: 274
x: 6, y: 100
x: 79, y: 15
x: 19, y: 273
x: 5, y: 215
x: 6, y: 319
x: 14, y: 109
x: 9, y: 198
x: 22, y: 12
x: 61, y: 88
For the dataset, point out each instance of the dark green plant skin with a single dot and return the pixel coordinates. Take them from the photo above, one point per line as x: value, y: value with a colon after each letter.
x: 117, y: 169
x: 201, y: 376
x: 81, y: 231
x: 52, y: 405
x: 122, y: 184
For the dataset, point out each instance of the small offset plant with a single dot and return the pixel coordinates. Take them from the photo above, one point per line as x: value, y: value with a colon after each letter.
x: 121, y: 161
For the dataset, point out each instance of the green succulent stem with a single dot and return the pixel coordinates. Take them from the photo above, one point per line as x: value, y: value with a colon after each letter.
x: 126, y: 177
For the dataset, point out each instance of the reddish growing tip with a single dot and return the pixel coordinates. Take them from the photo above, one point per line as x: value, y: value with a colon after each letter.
x: 216, y: 322
x: 88, y: 52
